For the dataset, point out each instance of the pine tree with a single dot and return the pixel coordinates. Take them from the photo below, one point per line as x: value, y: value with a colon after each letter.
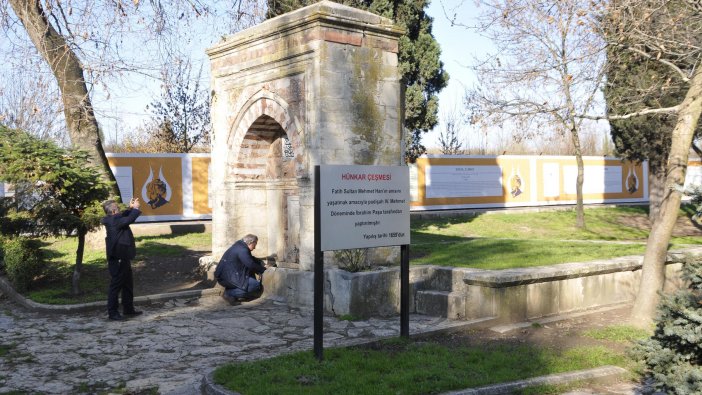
x: 421, y: 71
x: 673, y: 355
x: 57, y: 190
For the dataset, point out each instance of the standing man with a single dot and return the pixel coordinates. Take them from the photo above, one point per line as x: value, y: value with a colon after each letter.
x: 237, y: 268
x: 121, y: 249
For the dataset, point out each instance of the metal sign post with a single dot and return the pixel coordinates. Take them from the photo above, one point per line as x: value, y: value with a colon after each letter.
x: 360, y: 207
x: 318, y: 273
x: 404, y: 290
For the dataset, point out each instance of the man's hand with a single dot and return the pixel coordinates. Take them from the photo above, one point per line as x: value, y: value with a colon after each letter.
x: 134, y: 203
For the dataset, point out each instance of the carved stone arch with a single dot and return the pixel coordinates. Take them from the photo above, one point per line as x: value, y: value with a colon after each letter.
x: 262, y: 180
x: 265, y: 103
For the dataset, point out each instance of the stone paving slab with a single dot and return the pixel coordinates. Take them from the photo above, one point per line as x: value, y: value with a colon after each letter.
x: 169, y: 348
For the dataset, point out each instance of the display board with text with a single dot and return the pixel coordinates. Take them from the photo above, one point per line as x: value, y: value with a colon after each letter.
x: 464, y: 181
x: 363, y: 206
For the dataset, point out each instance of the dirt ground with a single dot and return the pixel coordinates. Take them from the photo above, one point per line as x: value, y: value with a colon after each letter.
x: 162, y: 274
x: 560, y: 335
x: 684, y: 226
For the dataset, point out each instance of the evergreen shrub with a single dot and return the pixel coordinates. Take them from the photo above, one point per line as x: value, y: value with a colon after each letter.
x: 23, y: 261
x: 673, y: 355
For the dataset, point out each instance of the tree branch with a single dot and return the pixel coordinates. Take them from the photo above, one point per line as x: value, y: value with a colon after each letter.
x: 645, y: 54
x: 646, y: 111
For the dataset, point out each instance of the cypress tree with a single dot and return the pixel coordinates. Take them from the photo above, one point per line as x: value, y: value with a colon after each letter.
x: 635, y: 82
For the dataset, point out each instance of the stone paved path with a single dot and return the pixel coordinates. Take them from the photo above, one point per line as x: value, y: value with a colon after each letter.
x: 170, y: 347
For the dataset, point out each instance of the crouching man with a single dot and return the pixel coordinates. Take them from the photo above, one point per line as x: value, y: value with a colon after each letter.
x: 237, y: 270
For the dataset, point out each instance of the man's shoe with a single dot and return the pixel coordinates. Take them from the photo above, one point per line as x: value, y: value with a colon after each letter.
x: 133, y: 313
x: 116, y: 317
x: 230, y: 300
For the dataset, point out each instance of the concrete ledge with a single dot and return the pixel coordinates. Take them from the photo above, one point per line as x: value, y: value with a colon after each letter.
x: 9, y: 291
x: 532, y: 275
x: 601, y: 373
x: 513, y: 295
x: 564, y: 271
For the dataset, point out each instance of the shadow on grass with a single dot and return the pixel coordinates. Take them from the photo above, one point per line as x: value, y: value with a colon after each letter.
x: 155, y: 248
x: 442, y: 222
x: 495, y: 254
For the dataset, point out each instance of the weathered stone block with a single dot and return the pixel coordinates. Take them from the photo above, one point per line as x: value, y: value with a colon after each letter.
x: 542, y: 299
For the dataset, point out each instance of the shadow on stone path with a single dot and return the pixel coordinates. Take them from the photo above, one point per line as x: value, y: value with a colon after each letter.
x: 169, y: 348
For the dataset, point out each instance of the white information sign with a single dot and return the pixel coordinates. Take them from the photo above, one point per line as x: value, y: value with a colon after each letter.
x: 551, y: 180
x: 363, y: 206
x: 123, y: 175
x: 597, y: 179
x: 463, y: 181
x: 413, y: 182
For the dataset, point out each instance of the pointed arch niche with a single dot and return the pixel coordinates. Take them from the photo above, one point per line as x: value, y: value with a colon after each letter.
x: 265, y: 167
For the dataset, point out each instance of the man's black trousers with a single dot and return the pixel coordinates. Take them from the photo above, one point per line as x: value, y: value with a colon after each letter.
x: 120, y: 281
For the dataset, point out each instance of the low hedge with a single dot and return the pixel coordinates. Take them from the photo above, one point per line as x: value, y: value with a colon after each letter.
x: 23, y: 261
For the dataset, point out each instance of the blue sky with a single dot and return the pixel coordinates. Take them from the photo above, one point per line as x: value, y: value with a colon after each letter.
x: 458, y: 47
x: 125, y: 109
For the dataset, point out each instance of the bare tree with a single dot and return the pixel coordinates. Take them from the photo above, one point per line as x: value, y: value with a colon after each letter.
x: 182, y: 112
x: 448, y: 138
x: 668, y: 32
x: 88, y: 44
x: 68, y: 71
x: 545, y: 71
x: 26, y: 105
x: 550, y: 66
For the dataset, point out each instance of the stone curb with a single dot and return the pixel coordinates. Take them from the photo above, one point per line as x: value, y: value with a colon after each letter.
x: 209, y: 387
x: 8, y: 290
x: 602, y: 373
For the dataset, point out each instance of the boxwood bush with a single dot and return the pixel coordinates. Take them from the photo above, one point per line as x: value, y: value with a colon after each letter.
x: 23, y: 261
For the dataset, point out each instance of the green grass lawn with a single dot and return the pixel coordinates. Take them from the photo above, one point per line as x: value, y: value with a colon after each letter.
x: 495, y: 254
x: 601, y: 224
x: 508, y: 240
x: 401, y: 366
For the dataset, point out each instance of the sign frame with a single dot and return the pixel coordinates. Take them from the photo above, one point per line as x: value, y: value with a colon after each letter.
x: 396, y: 220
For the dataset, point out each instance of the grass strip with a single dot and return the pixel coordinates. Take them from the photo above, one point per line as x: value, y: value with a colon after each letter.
x: 406, y: 367
x: 495, y: 254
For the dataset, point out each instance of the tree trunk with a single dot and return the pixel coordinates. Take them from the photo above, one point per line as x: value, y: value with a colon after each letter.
x: 653, y: 270
x: 579, y: 209
x: 77, y: 270
x: 68, y: 71
x: 656, y: 189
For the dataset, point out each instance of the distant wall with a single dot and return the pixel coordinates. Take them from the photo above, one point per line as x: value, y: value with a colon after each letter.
x: 463, y: 181
x: 171, y: 187
x: 437, y: 182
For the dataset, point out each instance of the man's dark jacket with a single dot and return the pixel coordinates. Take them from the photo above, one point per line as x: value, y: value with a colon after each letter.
x: 236, y: 266
x: 119, y: 239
